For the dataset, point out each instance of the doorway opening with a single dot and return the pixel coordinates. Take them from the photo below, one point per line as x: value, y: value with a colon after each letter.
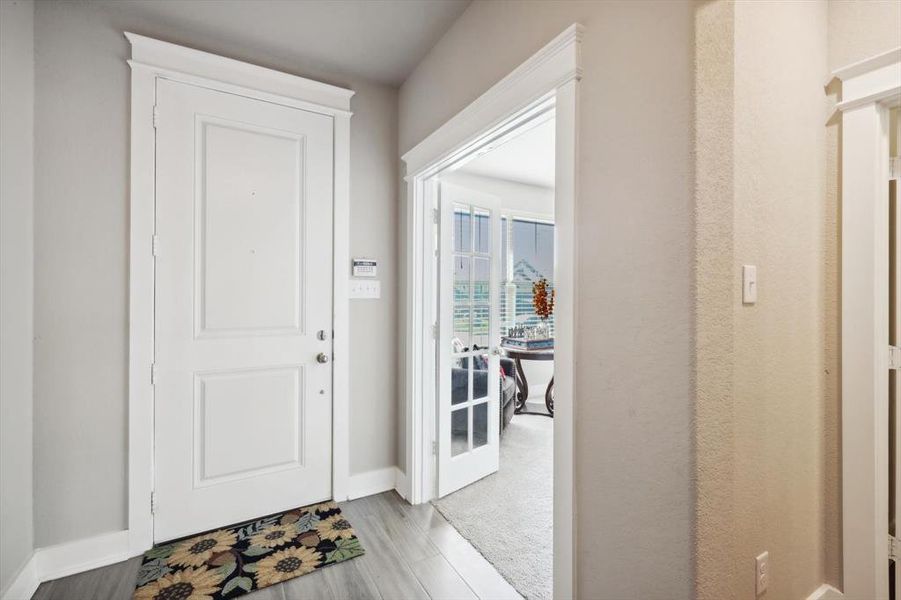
x: 455, y: 388
x: 495, y: 302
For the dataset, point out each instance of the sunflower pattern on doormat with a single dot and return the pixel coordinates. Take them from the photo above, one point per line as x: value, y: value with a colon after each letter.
x: 230, y: 562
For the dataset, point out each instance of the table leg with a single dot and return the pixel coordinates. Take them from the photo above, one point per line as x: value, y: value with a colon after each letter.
x: 522, y: 384
x: 549, y: 397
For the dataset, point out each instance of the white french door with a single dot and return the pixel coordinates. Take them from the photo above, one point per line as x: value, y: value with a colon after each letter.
x: 243, y: 309
x: 469, y: 335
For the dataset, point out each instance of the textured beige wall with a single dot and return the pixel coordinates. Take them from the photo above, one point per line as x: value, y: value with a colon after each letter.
x: 81, y: 255
x: 779, y: 358
x: 635, y: 230
x: 769, y: 459
x: 859, y: 29
x: 714, y: 297
x: 16, y: 289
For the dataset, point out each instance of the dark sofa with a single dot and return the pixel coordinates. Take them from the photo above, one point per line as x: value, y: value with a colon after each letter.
x: 459, y: 384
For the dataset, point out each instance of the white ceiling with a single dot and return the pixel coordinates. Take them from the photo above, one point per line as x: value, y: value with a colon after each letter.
x: 527, y: 158
x: 377, y: 40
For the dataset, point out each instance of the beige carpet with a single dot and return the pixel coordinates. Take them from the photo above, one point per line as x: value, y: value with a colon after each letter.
x: 508, y: 516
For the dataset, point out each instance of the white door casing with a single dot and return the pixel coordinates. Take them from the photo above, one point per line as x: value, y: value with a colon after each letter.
x: 550, y: 76
x: 152, y: 60
x: 870, y: 89
x: 468, y: 308
x: 243, y: 409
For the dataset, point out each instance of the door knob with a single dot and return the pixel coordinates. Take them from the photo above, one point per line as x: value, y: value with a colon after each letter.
x: 322, y: 357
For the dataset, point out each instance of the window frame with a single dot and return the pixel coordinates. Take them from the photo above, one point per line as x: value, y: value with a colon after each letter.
x: 511, y: 215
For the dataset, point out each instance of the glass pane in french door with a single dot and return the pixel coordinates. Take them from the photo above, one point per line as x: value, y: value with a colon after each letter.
x: 480, y: 424
x: 460, y: 431
x: 459, y: 380
x: 462, y: 229
x: 481, y: 230
x: 469, y: 376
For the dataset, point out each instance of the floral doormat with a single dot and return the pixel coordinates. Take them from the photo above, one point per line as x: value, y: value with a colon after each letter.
x: 230, y: 562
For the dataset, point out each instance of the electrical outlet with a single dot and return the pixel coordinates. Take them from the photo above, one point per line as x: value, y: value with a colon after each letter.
x: 762, y: 572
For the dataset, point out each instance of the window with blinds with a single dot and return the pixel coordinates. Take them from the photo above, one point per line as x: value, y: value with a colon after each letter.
x: 528, y: 255
x: 527, y: 248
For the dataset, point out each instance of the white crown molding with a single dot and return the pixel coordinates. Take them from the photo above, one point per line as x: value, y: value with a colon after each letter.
x: 868, y: 64
x: 555, y: 64
x: 876, y: 79
x: 170, y: 58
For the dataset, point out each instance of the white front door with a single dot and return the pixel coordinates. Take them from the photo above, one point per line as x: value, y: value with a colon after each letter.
x: 469, y: 335
x: 243, y: 407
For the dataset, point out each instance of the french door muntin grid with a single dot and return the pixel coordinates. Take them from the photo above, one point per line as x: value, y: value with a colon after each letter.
x: 472, y: 320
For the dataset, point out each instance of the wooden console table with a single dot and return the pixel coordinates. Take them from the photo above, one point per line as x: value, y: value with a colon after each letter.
x: 522, y: 384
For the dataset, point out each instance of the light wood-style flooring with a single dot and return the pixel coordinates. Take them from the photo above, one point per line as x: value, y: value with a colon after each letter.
x: 411, y: 552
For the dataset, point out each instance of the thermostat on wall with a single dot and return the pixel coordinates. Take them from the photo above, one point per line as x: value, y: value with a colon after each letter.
x: 365, y: 267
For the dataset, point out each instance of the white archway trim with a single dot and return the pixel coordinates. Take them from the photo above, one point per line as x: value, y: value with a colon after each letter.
x: 869, y: 90
x: 550, y: 78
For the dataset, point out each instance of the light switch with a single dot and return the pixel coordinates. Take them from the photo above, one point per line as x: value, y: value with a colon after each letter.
x: 749, y: 284
x: 364, y: 289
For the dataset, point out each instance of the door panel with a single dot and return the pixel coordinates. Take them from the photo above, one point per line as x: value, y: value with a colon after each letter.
x: 469, y: 334
x: 242, y: 407
x: 237, y: 212
x: 222, y: 395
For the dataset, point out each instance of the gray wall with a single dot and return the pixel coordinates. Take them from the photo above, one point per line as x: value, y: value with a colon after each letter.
x: 16, y: 264
x: 81, y: 252
x: 635, y: 327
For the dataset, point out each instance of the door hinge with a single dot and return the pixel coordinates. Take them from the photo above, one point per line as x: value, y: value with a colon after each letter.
x: 156, y: 116
x: 894, y: 357
x: 153, y: 374
x: 155, y: 245
x: 153, y: 503
x: 893, y: 547
x: 434, y: 331
x: 894, y: 168
x: 436, y: 216
x: 434, y: 448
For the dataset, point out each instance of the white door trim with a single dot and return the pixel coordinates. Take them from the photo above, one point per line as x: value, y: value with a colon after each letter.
x: 549, y: 78
x: 152, y: 59
x: 869, y: 90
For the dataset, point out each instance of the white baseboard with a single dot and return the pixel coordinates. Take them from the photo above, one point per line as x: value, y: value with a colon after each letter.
x: 401, y: 485
x: 25, y: 583
x: 53, y: 562
x: 372, y: 482
x: 61, y: 560
x: 825, y: 592
x: 82, y: 555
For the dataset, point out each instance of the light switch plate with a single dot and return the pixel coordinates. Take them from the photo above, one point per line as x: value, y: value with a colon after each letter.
x: 749, y: 284
x: 364, y: 289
